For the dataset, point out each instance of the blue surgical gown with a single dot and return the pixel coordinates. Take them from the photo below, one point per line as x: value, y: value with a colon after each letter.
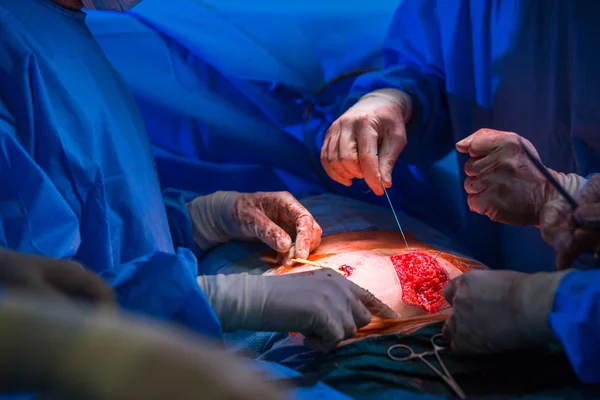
x: 77, y: 176
x: 240, y: 87
x: 529, y: 67
x: 575, y: 319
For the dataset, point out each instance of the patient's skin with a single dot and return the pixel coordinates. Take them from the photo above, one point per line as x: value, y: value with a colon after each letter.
x: 369, y: 253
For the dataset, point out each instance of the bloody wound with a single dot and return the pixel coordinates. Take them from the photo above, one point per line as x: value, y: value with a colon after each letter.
x: 422, y: 279
x: 346, y: 270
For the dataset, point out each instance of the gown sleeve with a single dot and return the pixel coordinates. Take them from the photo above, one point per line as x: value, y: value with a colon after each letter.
x: 36, y: 216
x: 575, y: 319
x: 414, y: 65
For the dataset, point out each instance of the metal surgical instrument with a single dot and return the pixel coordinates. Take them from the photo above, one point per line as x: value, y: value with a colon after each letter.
x: 446, y: 377
x: 544, y: 171
x: 395, y: 216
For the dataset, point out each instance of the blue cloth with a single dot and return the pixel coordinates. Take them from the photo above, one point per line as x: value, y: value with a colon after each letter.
x: 575, y: 319
x: 77, y: 174
x: 228, y: 102
x: 510, y: 65
x: 241, y: 83
x: 78, y: 179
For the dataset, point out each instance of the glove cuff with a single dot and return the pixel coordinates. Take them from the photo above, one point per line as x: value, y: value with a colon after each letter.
x: 213, y: 219
x: 536, y: 297
x: 238, y: 300
x: 403, y: 100
x: 573, y: 183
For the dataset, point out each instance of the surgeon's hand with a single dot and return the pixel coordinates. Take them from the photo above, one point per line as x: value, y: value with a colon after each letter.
x: 351, y: 144
x: 501, y: 181
x: 53, y: 278
x: 323, y: 305
x: 562, y: 228
x: 275, y: 218
x: 500, y: 311
x: 83, y: 353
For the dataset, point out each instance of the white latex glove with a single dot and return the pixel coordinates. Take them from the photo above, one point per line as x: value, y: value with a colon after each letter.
x: 500, y: 311
x: 85, y: 354
x: 350, y: 147
x: 503, y: 184
x: 323, y: 305
x: 562, y: 228
x: 275, y: 218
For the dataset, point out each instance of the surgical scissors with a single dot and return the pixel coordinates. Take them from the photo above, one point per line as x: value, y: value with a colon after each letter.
x: 446, y: 377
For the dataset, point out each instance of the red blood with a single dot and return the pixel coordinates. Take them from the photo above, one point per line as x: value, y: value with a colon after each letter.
x: 422, y: 279
x: 346, y: 270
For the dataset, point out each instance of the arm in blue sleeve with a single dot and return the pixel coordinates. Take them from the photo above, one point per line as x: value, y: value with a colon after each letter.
x: 180, y: 222
x: 414, y: 65
x: 36, y: 218
x: 575, y: 319
x: 48, y: 213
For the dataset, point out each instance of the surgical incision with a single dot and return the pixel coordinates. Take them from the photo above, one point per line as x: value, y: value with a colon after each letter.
x: 422, y: 279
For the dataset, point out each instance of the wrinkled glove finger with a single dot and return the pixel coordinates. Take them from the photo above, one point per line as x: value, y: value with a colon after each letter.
x: 480, y: 165
x: 375, y: 306
x: 394, y: 141
x: 259, y: 225
x: 588, y: 215
x: 449, y: 329
x: 353, y: 320
x: 482, y: 203
x: 348, y: 151
x: 590, y: 193
x: 304, y: 235
x: 555, y: 219
x: 286, y: 258
x: 360, y: 314
x: 316, y: 238
x: 483, y: 142
x: 570, y: 244
x: 367, y: 138
x: 449, y: 290
x: 476, y: 185
x: 325, y: 336
x: 329, y: 154
x: 335, y: 158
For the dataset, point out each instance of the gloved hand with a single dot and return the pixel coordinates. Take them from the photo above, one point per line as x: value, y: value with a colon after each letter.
x: 268, y: 216
x: 502, y: 183
x: 500, y: 311
x: 324, y: 306
x: 558, y: 224
x: 52, y: 278
x: 350, y: 147
x: 81, y: 353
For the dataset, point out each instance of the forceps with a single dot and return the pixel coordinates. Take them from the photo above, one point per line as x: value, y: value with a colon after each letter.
x: 446, y: 377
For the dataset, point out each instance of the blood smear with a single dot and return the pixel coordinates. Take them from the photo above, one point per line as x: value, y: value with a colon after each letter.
x: 346, y: 270
x: 422, y: 279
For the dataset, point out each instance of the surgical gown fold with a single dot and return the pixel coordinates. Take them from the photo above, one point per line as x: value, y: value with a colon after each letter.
x: 77, y: 178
